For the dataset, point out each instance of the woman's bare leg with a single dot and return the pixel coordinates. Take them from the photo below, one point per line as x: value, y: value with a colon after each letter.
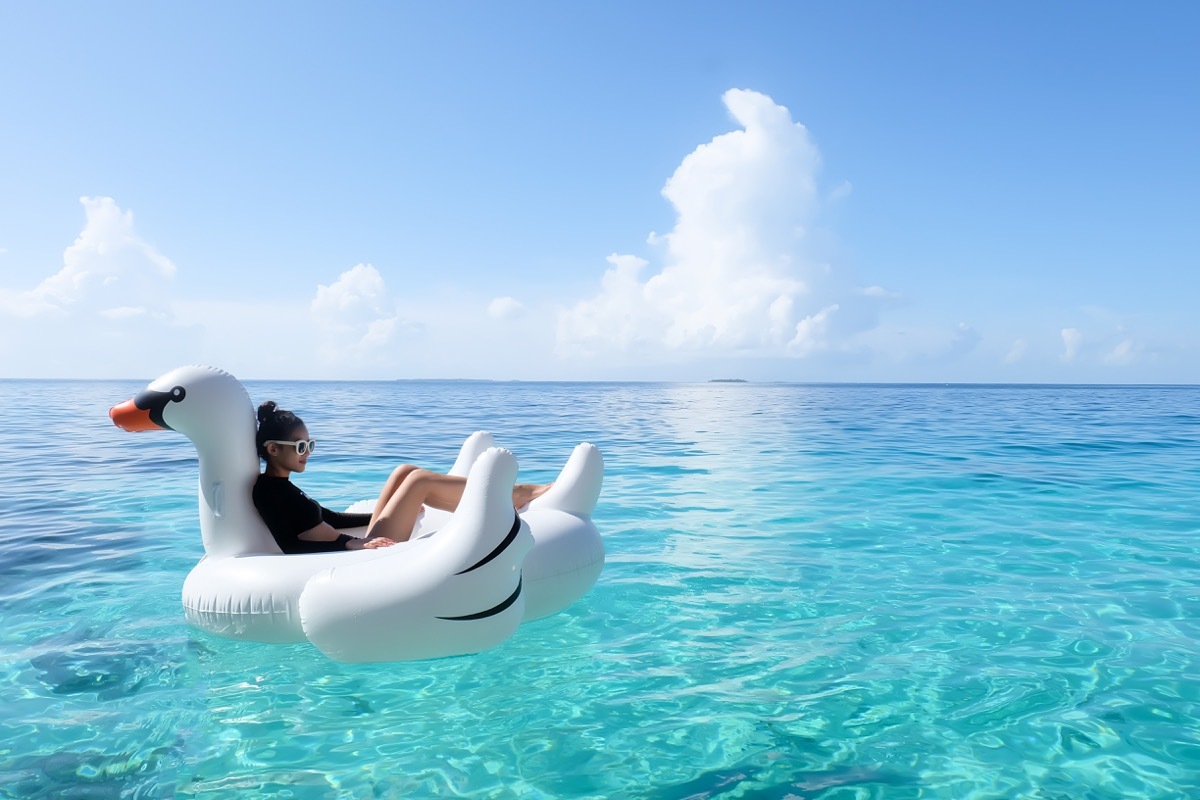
x: 417, y: 488
x: 410, y: 488
x: 390, y: 487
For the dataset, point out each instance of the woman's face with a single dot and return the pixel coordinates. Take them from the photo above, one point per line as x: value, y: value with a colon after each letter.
x: 285, y: 455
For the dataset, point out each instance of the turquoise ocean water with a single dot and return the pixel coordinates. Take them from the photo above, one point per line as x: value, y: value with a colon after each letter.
x: 832, y: 592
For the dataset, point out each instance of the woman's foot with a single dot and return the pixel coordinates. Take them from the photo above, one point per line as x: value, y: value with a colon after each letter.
x: 523, y: 493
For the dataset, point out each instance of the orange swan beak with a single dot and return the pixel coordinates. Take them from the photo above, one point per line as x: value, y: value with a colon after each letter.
x: 128, y: 416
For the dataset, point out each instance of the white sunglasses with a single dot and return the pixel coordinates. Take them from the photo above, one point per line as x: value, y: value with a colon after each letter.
x: 302, y: 445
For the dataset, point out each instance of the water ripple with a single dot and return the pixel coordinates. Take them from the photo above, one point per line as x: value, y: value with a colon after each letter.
x: 967, y: 592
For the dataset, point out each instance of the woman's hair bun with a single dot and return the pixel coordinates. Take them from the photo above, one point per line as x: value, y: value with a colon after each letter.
x: 266, y: 411
x: 273, y: 423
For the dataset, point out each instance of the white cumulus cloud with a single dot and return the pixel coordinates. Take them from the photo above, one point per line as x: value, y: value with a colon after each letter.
x: 505, y: 308
x: 741, y: 274
x: 1072, y: 340
x: 107, y: 310
x: 964, y: 340
x: 1123, y: 354
x: 123, y: 312
x: 109, y: 266
x: 1017, y: 351
x: 356, y: 316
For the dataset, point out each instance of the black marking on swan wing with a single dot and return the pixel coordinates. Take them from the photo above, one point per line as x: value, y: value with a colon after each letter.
x: 500, y: 548
x: 493, y: 611
x: 156, y: 402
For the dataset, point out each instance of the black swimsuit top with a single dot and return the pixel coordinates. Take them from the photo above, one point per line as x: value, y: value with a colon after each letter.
x: 289, y: 512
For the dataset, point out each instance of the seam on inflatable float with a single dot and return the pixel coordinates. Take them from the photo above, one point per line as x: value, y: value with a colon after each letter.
x: 500, y: 548
x: 491, y: 612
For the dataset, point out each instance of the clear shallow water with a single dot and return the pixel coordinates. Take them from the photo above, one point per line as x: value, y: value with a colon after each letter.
x: 827, y: 592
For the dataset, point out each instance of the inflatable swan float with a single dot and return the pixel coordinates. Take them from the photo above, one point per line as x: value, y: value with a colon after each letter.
x: 461, y: 584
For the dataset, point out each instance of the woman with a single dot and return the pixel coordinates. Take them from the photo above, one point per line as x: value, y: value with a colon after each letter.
x: 301, y: 525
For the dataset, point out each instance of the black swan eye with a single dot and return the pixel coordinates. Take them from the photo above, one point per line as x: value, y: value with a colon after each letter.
x: 155, y: 402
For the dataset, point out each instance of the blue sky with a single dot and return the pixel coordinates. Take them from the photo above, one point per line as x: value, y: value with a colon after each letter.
x: 863, y: 191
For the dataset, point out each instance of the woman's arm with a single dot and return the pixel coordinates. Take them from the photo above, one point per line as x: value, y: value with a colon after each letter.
x: 341, y: 519
x: 324, y: 532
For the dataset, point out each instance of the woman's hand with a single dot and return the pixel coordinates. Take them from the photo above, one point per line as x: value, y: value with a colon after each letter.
x: 369, y: 544
x: 378, y: 541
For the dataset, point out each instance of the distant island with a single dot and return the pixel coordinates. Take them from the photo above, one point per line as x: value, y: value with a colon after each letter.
x: 727, y: 380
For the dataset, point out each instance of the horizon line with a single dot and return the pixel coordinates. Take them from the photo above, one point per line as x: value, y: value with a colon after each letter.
x: 705, y: 381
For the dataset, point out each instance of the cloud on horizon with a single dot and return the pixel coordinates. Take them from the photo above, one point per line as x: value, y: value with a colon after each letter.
x: 356, y: 317
x: 101, y: 312
x: 741, y: 272
x: 507, y: 308
x: 114, y: 308
x: 1072, y: 340
x: 108, y: 265
x: 739, y: 284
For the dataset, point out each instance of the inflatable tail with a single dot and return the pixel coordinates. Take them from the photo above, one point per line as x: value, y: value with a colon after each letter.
x: 577, y: 488
x: 472, y: 448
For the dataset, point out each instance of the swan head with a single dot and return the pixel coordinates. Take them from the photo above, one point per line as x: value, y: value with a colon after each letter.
x: 195, y: 401
x: 212, y: 408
